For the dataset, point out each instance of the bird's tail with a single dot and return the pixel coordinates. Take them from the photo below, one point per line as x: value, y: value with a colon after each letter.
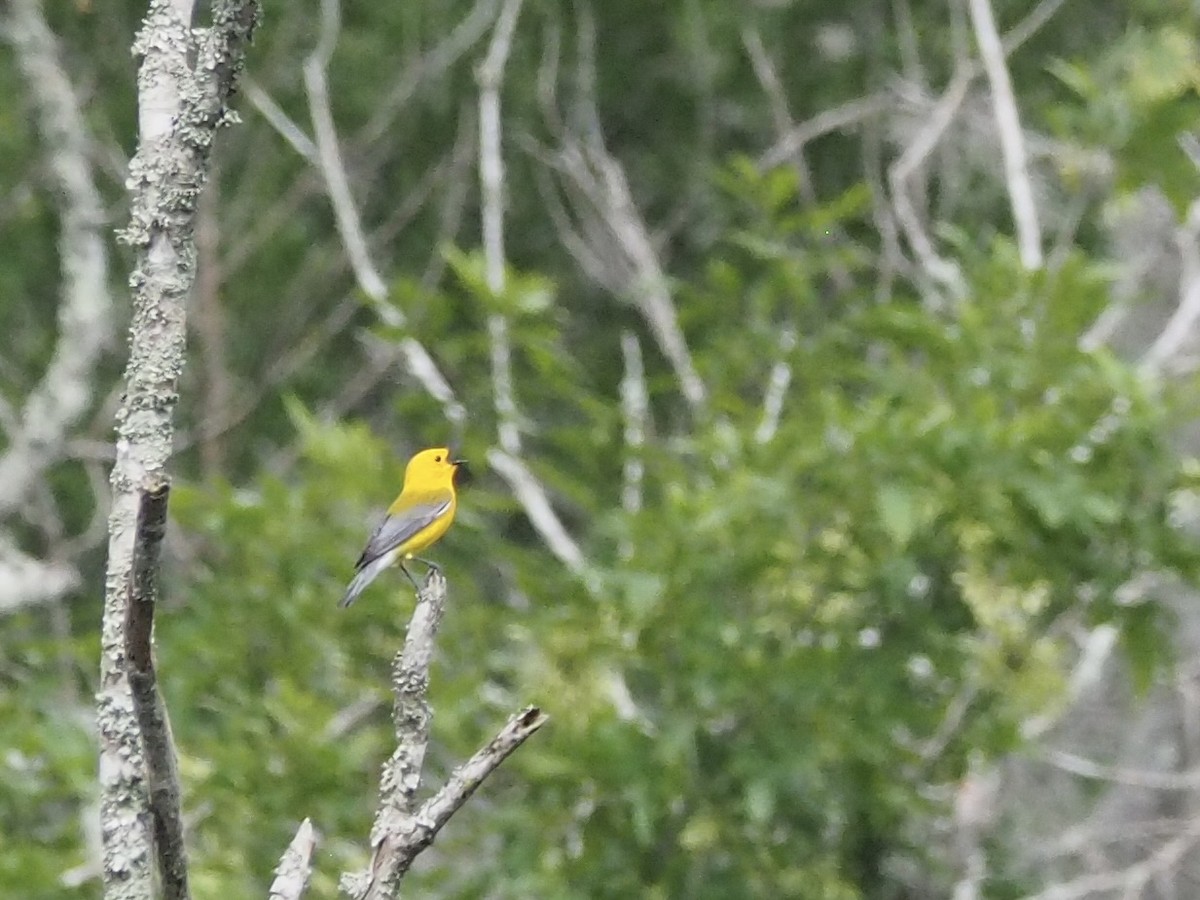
x: 364, y: 577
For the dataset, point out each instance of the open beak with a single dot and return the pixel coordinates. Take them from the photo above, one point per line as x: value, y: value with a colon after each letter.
x: 462, y: 472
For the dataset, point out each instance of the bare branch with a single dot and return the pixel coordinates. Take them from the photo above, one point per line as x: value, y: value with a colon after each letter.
x: 838, y: 118
x: 1131, y: 880
x: 294, y: 869
x: 532, y: 497
x: 614, y: 230
x: 777, y: 385
x: 491, y: 183
x: 285, y: 126
x: 635, y: 407
x: 333, y: 170
x: 162, y: 773
x: 401, y: 845
x: 337, y: 183
x: 429, y: 65
x: 1181, y: 327
x: 85, y: 311
x: 1012, y: 143
x: 185, y: 80
x: 944, y: 273
x: 1097, y: 649
x: 1139, y: 778
x: 400, y: 832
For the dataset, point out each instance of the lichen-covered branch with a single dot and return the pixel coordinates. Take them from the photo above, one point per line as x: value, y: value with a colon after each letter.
x: 185, y: 80
x: 411, y: 834
x: 401, y: 831
x: 294, y: 869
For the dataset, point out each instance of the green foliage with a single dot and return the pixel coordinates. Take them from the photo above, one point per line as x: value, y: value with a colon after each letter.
x: 1138, y: 100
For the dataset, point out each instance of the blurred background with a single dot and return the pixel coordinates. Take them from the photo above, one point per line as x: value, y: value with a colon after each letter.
x: 828, y: 370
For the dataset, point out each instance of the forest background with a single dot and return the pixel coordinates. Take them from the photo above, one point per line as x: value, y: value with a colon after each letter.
x: 829, y: 372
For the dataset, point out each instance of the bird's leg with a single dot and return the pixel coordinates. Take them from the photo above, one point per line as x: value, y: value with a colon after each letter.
x: 408, y: 575
x: 432, y: 565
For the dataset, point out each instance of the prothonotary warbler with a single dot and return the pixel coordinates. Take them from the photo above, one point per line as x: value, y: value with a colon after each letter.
x: 416, y: 520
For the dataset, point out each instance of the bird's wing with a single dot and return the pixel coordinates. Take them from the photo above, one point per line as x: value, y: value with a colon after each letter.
x: 400, y: 526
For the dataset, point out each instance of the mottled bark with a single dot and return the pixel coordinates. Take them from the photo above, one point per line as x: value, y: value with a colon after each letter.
x: 185, y: 80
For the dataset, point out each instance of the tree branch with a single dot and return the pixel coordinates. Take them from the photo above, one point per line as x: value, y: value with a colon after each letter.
x: 491, y: 186
x: 420, y: 363
x: 185, y: 80
x: 1181, y: 326
x: 635, y: 408
x: 409, y: 835
x: 532, y: 497
x: 1012, y: 143
x: 399, y: 834
x: 294, y: 869
x: 162, y: 773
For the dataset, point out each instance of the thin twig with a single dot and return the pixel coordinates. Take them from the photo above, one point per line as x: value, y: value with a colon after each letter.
x: 1138, y: 778
x: 427, y: 66
x: 1012, y: 143
x: 943, y: 272
x: 777, y: 385
x: 532, y: 497
x: 420, y: 362
x: 491, y: 184
x: 162, y: 771
x: 616, y: 232
x: 295, y: 867
x: 333, y: 169
x: 838, y: 118
x: 1132, y: 879
x: 635, y: 408
x: 285, y: 126
x: 1182, y: 324
x: 400, y: 846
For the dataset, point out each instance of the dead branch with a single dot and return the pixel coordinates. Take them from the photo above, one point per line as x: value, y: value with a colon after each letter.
x: 185, y: 80
x: 401, y: 829
x: 162, y: 771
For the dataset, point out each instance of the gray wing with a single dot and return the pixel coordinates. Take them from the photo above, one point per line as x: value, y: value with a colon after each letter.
x: 395, y: 530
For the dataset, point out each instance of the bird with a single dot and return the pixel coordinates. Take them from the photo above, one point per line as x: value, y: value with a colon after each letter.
x: 417, y: 519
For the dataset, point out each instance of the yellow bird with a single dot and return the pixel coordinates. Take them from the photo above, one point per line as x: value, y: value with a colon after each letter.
x: 416, y: 520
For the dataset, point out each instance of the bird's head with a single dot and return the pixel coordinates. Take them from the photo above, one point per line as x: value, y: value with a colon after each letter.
x: 435, y: 466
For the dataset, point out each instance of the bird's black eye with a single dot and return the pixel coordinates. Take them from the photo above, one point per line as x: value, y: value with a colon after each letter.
x: 437, y: 459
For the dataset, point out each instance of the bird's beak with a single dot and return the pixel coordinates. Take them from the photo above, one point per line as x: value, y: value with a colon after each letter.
x: 462, y: 472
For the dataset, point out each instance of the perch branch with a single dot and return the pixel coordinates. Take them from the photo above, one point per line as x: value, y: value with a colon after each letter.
x: 401, y: 829
x: 294, y: 869
x: 398, y: 849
